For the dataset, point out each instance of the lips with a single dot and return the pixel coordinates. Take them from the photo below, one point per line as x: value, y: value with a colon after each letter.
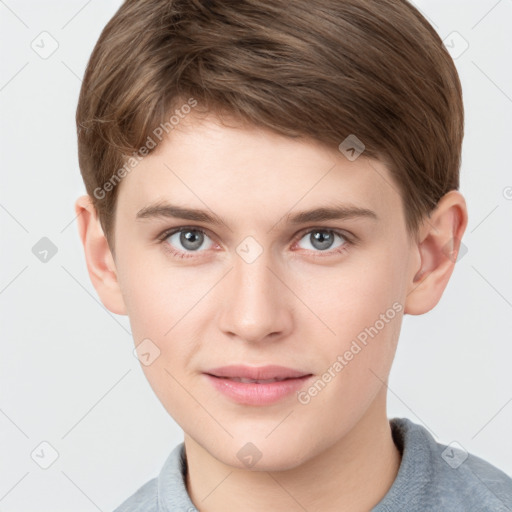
x: 257, y: 386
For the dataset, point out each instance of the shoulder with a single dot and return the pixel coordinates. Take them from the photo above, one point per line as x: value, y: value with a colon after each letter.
x: 144, y: 500
x: 469, y: 482
x: 445, y: 477
x: 165, y: 492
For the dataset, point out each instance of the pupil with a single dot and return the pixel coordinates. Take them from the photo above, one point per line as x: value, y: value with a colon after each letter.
x: 191, y: 239
x: 321, y: 239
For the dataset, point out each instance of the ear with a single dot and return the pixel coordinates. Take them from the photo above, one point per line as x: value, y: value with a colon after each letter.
x: 99, y: 259
x: 438, y: 247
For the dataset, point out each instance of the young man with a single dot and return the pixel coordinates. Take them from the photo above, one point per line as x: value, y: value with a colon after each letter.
x: 271, y: 186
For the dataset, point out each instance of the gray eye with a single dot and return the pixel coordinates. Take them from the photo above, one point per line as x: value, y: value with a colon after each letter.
x: 188, y: 239
x: 322, y: 239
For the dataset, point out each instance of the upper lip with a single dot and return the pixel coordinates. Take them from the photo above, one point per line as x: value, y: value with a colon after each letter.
x: 257, y: 372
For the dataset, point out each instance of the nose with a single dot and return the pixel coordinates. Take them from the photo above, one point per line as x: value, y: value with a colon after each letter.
x: 256, y: 305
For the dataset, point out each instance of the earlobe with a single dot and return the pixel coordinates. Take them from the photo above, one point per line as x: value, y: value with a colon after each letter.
x: 100, y: 262
x: 438, y: 247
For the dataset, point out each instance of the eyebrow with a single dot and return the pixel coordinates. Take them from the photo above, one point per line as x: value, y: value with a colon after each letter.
x: 340, y: 212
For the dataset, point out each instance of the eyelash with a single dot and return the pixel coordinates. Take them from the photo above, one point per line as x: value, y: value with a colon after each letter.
x: 349, y: 241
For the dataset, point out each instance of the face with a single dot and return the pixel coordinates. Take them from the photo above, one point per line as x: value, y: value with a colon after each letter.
x: 249, y: 279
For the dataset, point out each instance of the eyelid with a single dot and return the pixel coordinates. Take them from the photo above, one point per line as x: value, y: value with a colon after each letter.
x: 171, y: 231
x: 341, y: 232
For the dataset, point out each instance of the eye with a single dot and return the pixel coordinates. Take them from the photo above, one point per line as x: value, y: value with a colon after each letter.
x: 185, y: 240
x: 323, y: 240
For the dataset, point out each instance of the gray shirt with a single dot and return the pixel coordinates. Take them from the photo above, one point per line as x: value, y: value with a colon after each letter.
x: 432, y: 477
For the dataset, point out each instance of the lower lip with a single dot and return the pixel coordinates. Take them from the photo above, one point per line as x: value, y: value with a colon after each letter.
x: 249, y: 393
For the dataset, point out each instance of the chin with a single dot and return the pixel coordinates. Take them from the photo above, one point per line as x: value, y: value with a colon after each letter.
x: 261, y: 455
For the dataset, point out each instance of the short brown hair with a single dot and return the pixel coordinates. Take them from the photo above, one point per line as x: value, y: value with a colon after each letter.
x: 323, y: 69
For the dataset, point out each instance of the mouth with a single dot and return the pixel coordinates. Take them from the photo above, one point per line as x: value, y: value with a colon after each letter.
x: 252, y: 381
x: 271, y: 373
x: 256, y: 385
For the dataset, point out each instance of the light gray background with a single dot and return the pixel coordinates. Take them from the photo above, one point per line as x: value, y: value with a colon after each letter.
x: 68, y: 374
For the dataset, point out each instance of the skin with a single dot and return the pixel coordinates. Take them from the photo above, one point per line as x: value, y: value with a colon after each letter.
x: 296, y: 305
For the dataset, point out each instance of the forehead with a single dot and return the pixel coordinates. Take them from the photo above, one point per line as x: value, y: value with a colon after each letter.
x: 245, y: 170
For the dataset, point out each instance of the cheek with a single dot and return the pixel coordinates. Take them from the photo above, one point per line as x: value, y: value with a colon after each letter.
x: 354, y: 297
x: 166, y: 305
x: 156, y: 295
x: 160, y: 302
x: 362, y: 304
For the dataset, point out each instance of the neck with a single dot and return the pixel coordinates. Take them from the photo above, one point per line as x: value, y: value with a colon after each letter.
x: 352, y: 475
